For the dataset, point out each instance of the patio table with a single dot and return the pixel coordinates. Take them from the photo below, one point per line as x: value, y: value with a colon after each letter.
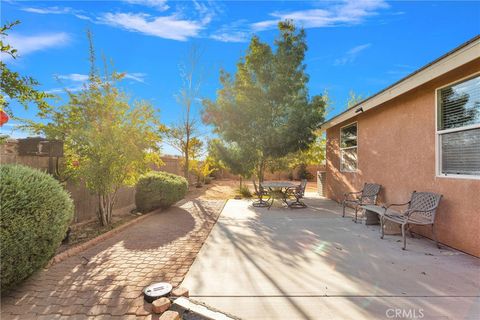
x: 279, y: 187
x: 373, y: 213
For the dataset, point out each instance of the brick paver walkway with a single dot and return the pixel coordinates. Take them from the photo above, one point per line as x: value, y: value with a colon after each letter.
x: 106, y: 281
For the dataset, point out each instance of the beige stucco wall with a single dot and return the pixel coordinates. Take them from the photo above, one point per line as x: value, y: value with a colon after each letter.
x: 396, y: 148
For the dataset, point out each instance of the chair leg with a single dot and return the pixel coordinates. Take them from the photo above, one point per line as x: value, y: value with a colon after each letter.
x: 404, y: 237
x: 271, y: 203
x: 298, y: 203
x: 260, y: 202
x: 285, y: 199
x: 343, y: 214
x: 382, y: 231
x: 356, y: 211
x: 435, y: 237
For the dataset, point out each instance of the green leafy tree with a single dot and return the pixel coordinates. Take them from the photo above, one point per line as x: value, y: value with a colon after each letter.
x: 108, y: 142
x: 314, y: 155
x: 354, y: 99
x: 14, y: 86
x: 265, y: 106
x: 239, y: 161
x: 195, y: 149
x: 195, y: 165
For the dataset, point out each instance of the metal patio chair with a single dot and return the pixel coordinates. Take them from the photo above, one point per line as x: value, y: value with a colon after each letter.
x: 298, y: 192
x: 368, y: 195
x: 421, y: 210
x: 260, y: 192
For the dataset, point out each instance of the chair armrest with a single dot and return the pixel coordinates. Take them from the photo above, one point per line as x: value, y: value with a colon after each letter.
x: 355, y: 192
x: 346, y: 194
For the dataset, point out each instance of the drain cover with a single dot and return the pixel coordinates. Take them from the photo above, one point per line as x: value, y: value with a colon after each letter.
x: 156, y: 290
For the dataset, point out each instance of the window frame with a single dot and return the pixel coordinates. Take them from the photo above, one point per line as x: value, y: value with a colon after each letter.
x: 341, y: 149
x: 438, y: 133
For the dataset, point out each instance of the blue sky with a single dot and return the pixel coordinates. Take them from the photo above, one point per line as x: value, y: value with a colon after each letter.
x: 352, y: 45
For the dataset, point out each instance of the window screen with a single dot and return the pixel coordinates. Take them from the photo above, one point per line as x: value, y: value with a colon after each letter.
x: 459, y: 128
x: 460, y: 104
x: 348, y: 148
x: 461, y: 152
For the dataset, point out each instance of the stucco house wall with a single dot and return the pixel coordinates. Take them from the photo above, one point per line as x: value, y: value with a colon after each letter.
x: 396, y: 148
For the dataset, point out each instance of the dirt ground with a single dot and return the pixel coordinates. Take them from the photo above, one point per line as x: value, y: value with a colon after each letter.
x: 227, y: 189
x: 216, y: 190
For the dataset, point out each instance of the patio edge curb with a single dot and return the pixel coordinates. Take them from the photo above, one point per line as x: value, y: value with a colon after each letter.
x: 92, y: 242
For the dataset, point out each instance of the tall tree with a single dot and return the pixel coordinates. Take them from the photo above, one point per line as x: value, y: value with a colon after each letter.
x: 14, y: 86
x: 354, y: 99
x: 108, y: 142
x: 239, y: 161
x: 180, y: 135
x: 265, y: 106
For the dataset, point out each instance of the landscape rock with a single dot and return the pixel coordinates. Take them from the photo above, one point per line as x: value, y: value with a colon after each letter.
x: 161, y: 305
x: 170, y: 315
x: 180, y: 292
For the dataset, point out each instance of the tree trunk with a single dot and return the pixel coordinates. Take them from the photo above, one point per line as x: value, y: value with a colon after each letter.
x: 260, y: 171
x: 187, y: 146
x: 240, y: 182
x: 187, y: 160
x: 105, y: 207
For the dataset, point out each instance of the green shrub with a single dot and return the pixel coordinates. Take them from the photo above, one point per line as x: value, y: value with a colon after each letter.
x: 158, y: 189
x: 290, y: 176
x: 303, y: 173
x: 35, y: 214
x: 245, y: 192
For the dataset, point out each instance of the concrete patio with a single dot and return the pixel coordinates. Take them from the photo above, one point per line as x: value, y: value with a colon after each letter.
x: 314, y: 264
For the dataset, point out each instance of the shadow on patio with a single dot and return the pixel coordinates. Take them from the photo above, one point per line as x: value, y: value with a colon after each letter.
x: 108, y: 278
x: 312, y: 263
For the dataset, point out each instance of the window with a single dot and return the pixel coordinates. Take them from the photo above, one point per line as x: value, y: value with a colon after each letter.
x: 458, y: 129
x: 348, y: 148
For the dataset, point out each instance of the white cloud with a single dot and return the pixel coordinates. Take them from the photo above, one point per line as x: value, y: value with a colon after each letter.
x: 175, y: 26
x: 351, y: 55
x: 232, y: 32
x: 167, y: 27
x: 82, y: 16
x: 29, y: 44
x: 77, y: 81
x: 72, y: 89
x: 186, y: 21
x: 76, y: 77
x: 58, y: 10
x: 160, y: 5
x: 48, y: 10
x: 232, y: 36
x: 347, y: 12
x: 136, y: 76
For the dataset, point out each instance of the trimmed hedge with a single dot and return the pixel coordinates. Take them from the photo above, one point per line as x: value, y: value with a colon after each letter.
x: 35, y: 214
x: 157, y: 189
